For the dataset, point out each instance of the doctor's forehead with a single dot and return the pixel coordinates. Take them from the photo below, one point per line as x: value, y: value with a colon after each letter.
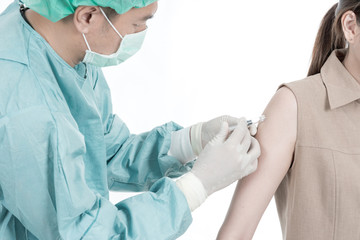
x: 145, y: 13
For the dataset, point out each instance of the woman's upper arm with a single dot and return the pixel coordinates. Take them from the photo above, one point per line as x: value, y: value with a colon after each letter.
x: 277, y: 136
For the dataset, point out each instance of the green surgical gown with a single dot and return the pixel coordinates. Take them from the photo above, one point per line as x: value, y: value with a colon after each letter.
x: 62, y: 150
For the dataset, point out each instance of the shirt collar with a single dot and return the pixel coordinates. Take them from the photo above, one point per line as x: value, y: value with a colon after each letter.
x: 341, y: 86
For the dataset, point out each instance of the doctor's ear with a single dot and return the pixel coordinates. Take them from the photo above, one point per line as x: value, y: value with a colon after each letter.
x: 350, y: 26
x: 87, y: 18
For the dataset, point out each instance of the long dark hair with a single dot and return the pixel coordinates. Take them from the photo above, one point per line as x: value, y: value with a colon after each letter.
x: 330, y: 35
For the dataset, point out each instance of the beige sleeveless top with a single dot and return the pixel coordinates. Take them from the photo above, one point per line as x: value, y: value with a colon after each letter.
x: 319, y: 198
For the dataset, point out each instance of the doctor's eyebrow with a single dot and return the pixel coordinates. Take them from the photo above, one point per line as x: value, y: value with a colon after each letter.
x: 147, y: 17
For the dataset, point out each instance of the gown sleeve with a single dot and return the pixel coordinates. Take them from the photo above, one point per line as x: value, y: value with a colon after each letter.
x: 134, y: 162
x: 42, y: 184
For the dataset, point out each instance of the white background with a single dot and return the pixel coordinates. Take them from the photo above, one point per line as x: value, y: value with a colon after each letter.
x: 205, y: 58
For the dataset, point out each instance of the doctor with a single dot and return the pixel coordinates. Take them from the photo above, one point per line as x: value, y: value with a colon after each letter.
x: 62, y: 149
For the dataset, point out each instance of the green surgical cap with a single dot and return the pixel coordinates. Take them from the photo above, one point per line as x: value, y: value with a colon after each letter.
x: 55, y: 10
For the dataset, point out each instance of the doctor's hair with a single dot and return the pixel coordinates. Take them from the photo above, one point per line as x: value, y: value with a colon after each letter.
x: 330, y: 35
x: 110, y: 13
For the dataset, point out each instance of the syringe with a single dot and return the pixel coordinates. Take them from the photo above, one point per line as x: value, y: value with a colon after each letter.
x: 250, y: 122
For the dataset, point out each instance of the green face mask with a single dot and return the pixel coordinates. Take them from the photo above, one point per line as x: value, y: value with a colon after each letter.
x: 130, y: 45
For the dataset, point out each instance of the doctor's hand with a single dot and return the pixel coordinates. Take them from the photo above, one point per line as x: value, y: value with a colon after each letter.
x: 224, y: 160
x: 227, y: 159
x: 203, y: 132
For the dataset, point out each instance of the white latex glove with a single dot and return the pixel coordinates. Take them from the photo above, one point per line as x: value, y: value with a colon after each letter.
x: 227, y: 159
x: 253, y: 129
x: 180, y: 147
x: 203, y: 132
x: 223, y: 161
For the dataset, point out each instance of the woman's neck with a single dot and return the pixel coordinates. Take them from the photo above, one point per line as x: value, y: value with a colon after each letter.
x: 352, y: 63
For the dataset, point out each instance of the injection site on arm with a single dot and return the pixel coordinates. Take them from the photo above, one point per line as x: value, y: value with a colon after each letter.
x: 277, y: 137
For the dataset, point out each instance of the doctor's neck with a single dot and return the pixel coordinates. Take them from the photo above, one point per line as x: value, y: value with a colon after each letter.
x: 62, y: 36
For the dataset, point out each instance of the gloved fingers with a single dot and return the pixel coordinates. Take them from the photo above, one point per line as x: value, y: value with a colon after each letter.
x: 222, y: 134
x: 245, y: 143
x: 250, y: 169
x: 250, y: 161
x: 239, y: 132
x: 232, y: 121
x: 254, y: 151
x: 253, y: 166
x: 253, y: 156
x: 253, y: 129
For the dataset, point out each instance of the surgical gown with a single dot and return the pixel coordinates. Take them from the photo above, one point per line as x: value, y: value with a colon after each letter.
x: 62, y: 150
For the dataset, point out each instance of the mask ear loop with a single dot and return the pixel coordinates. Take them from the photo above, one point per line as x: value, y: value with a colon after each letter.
x: 111, y: 23
x: 87, y: 44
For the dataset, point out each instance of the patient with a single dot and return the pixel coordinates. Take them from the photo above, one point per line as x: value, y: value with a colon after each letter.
x: 310, y: 144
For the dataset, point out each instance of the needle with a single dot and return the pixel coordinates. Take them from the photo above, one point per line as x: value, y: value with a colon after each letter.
x: 250, y: 122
